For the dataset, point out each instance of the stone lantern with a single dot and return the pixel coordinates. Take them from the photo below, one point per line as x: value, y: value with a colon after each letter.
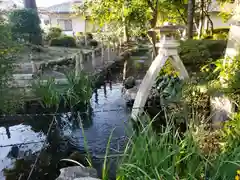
x: 167, y: 51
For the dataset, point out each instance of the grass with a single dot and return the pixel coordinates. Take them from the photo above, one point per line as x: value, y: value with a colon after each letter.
x: 199, y: 154
x: 78, y: 90
x: 46, y: 53
x: 167, y: 156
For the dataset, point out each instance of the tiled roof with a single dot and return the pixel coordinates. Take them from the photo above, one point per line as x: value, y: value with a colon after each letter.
x: 63, y: 7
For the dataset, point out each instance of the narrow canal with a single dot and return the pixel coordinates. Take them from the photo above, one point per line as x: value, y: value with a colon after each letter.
x: 21, y: 139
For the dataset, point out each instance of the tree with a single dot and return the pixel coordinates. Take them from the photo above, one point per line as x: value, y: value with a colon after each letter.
x: 8, y: 55
x: 31, y: 4
x: 131, y: 16
x: 24, y: 23
x: 191, y: 10
x: 166, y: 10
x: 123, y: 14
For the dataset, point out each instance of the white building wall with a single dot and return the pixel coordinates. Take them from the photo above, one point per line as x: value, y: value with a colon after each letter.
x: 78, y: 22
x: 217, y: 20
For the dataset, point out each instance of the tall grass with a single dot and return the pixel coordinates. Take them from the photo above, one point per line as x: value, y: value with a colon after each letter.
x: 77, y: 91
x: 166, y: 155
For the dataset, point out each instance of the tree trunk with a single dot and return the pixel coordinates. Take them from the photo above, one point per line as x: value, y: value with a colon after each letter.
x: 200, y: 26
x: 30, y: 4
x: 211, y: 23
x: 126, y: 32
x: 191, y: 10
x: 153, y: 34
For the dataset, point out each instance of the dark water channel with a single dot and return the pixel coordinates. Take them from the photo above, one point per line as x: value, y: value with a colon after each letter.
x: 21, y: 138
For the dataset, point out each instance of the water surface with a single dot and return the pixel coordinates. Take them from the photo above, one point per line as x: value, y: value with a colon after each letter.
x: 109, y: 113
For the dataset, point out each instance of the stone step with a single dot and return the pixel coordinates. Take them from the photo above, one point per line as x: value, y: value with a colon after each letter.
x: 22, y: 76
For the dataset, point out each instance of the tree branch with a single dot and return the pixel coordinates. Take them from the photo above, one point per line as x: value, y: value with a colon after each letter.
x: 182, y: 16
x: 210, y: 20
x: 150, y: 4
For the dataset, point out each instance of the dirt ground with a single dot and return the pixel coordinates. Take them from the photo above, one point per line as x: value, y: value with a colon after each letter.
x: 44, y: 53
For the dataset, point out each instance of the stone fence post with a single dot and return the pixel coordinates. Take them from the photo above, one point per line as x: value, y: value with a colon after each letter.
x: 81, y: 60
x: 102, y: 54
x: 108, y: 51
x: 79, y: 64
x: 34, y: 68
x: 93, y: 58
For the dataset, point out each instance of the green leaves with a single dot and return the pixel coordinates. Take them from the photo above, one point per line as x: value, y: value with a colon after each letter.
x: 25, y: 22
x: 79, y: 90
x: 131, y: 13
x: 10, y: 100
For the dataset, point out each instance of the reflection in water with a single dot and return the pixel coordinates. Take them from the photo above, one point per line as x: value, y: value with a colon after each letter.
x: 105, y: 90
x: 67, y: 135
x: 8, y: 132
x: 14, y: 152
x: 96, y: 96
x: 110, y: 85
x: 65, y: 138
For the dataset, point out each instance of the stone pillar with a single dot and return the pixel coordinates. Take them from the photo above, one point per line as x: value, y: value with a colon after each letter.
x: 222, y: 106
x: 120, y: 45
x: 85, y: 40
x: 81, y: 60
x: 167, y: 50
x: 93, y: 58
x: 34, y: 67
x: 108, y: 51
x: 102, y: 54
x: 114, y: 46
x: 77, y: 64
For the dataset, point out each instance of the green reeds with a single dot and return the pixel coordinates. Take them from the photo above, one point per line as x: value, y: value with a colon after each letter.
x: 167, y: 156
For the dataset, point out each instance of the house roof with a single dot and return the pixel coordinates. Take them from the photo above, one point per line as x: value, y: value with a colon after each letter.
x: 66, y: 7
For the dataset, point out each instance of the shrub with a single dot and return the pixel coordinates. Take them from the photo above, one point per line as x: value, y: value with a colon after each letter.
x: 80, y: 38
x: 89, y: 36
x: 25, y: 23
x: 54, y: 32
x: 10, y: 100
x: 199, y: 52
x: 79, y: 34
x: 220, y: 36
x: 93, y: 43
x: 65, y: 41
x: 220, y: 30
x: 166, y: 156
